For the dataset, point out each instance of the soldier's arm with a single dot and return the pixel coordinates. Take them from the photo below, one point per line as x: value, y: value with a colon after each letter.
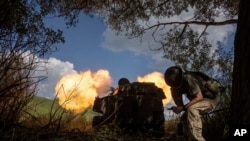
x: 198, y: 97
x: 194, y: 89
x: 177, y: 97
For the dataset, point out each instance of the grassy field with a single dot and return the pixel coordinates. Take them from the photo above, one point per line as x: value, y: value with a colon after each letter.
x: 48, y: 120
x: 48, y: 117
x: 44, y: 119
x: 40, y: 106
x: 46, y: 113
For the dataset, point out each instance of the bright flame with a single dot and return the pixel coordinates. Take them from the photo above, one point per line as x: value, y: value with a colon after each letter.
x: 158, y: 79
x: 77, y: 91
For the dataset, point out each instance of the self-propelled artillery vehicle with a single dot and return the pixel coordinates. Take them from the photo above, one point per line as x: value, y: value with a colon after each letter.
x: 138, y: 107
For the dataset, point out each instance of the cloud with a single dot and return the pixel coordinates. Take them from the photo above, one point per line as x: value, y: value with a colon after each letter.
x: 118, y: 43
x: 55, y: 70
x: 139, y: 46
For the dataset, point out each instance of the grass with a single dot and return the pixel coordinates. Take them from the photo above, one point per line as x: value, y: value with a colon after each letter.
x: 48, y: 113
x: 47, y: 120
x: 40, y: 106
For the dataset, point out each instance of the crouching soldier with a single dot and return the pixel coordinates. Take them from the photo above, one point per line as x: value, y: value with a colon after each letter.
x: 201, y: 98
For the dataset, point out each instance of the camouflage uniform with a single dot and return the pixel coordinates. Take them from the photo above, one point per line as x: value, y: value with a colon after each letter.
x: 191, y: 119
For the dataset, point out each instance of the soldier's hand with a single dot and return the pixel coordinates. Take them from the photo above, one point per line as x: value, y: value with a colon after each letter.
x: 176, y: 109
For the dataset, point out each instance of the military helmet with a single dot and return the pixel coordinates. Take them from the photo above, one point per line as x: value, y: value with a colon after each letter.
x: 123, y: 81
x: 173, y: 76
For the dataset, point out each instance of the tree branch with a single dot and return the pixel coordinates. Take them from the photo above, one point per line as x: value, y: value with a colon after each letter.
x: 231, y: 21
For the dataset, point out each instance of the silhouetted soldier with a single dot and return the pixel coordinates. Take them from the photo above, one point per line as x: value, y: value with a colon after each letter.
x: 201, y: 98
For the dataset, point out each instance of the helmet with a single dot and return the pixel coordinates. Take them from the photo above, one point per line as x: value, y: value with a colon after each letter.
x: 173, y: 76
x: 123, y: 81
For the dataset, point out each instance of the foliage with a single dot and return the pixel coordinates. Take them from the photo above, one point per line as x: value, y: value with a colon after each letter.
x: 189, y: 50
x: 44, y: 119
x: 16, y: 85
x: 214, y: 130
x: 48, y: 114
x: 22, y: 28
x: 23, y: 34
x: 179, y: 39
x: 23, y: 37
x: 128, y: 15
x: 136, y: 16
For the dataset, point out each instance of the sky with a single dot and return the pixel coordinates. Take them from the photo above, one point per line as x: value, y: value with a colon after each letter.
x: 91, y: 45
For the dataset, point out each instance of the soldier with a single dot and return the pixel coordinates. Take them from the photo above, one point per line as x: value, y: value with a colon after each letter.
x: 200, y: 99
x: 123, y: 86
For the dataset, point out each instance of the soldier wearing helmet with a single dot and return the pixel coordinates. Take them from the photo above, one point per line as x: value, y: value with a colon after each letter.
x: 123, y: 82
x: 185, y: 83
x: 123, y: 86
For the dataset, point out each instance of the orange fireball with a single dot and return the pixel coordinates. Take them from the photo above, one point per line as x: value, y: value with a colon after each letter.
x: 77, y: 91
x: 158, y: 79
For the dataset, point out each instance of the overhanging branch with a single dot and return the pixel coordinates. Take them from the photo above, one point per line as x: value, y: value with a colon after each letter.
x: 219, y: 23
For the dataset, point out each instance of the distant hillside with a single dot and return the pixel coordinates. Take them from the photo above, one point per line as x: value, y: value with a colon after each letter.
x: 40, y: 106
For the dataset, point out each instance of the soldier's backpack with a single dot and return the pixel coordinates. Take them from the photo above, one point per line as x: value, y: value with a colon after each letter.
x: 213, y: 85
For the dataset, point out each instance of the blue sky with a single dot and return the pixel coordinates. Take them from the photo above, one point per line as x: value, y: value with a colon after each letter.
x: 91, y: 45
x: 86, y: 47
x: 83, y: 48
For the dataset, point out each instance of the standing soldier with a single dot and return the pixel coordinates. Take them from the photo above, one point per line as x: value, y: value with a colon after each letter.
x: 201, y: 99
